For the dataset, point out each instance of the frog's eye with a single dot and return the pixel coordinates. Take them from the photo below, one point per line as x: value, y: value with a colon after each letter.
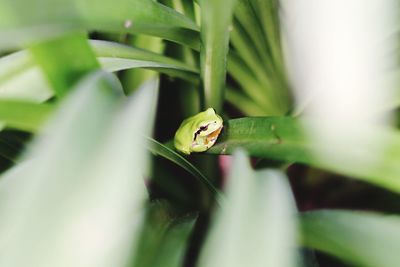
x: 203, y: 128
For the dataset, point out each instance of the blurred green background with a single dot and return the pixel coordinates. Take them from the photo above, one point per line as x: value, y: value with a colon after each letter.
x: 91, y: 94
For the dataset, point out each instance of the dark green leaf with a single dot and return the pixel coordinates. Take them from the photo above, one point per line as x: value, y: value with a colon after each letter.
x: 163, y: 239
x: 168, y: 153
x: 282, y: 138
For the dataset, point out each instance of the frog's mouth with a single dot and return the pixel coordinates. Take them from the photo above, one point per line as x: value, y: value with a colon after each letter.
x: 206, y: 137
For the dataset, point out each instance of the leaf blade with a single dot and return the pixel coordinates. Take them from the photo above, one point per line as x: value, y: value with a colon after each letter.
x: 362, y: 238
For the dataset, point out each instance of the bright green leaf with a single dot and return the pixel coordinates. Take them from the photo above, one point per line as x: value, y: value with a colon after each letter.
x: 65, y: 61
x: 24, y: 116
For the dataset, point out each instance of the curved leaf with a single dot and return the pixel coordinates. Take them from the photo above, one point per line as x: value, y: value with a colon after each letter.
x: 159, y: 149
x: 22, y: 22
x: 23, y: 80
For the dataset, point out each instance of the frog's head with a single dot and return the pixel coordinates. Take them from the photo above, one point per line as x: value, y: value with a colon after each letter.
x: 208, y: 131
x: 199, y: 132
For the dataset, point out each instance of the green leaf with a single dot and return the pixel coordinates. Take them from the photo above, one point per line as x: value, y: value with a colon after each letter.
x: 361, y: 238
x: 260, y: 95
x: 255, y: 226
x: 80, y: 193
x: 65, y: 61
x: 163, y: 239
x: 267, y: 12
x: 21, y: 79
x: 243, y: 103
x: 159, y: 149
x: 247, y: 19
x: 133, y: 78
x: 216, y: 18
x: 282, y: 138
x: 22, y: 22
x: 278, y: 138
x: 115, y: 57
x: 106, y: 49
x: 24, y: 116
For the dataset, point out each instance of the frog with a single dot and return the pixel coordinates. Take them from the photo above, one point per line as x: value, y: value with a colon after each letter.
x: 199, y: 132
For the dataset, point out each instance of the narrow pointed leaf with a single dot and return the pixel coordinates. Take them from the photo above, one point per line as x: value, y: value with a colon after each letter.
x: 159, y: 149
x: 255, y: 225
x: 216, y: 18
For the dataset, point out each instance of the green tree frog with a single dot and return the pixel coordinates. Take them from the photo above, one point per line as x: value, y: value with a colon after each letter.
x: 199, y: 132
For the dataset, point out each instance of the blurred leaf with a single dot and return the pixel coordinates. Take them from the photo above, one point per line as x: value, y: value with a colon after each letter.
x: 131, y: 79
x: 255, y: 225
x: 23, y: 79
x: 114, y: 57
x: 24, y: 116
x: 65, y: 61
x: 267, y: 13
x: 282, y: 138
x: 260, y: 93
x: 12, y: 144
x: 259, y: 51
x: 216, y: 18
x: 246, y: 16
x: 117, y: 64
x: 361, y: 238
x: 77, y: 198
x: 115, y: 50
x: 163, y: 239
x: 159, y: 149
x: 7, y: 151
x: 243, y: 103
x: 22, y: 22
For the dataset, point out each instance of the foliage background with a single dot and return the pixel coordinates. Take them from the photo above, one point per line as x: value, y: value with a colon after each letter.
x: 91, y: 94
